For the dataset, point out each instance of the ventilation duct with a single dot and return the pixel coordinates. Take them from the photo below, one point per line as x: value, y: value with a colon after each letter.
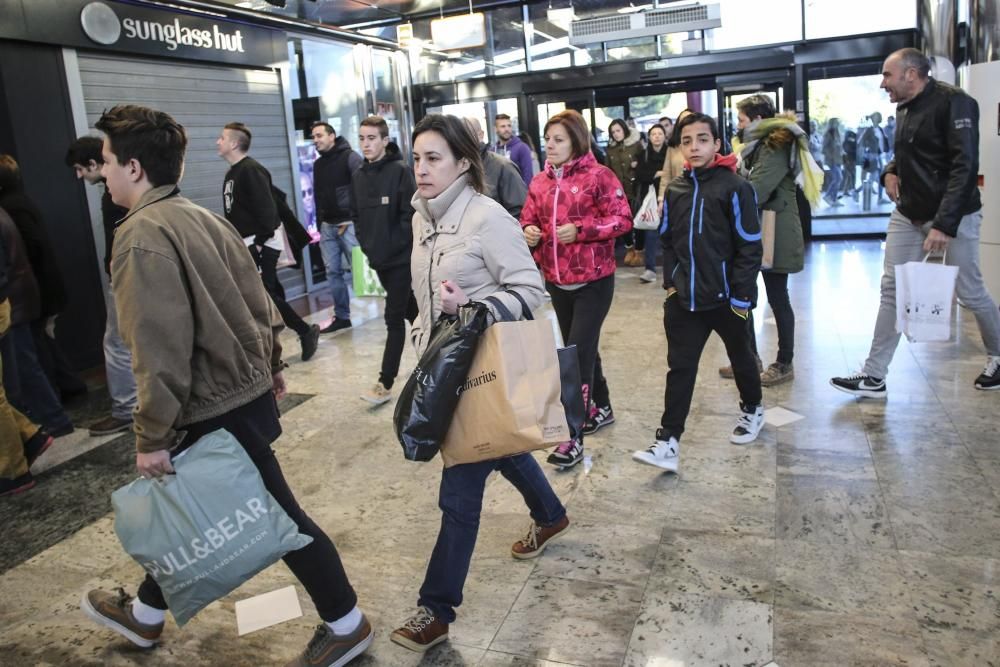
x: 644, y: 24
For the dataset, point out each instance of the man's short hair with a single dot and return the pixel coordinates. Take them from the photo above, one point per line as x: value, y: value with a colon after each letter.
x: 912, y: 58
x: 325, y: 125
x: 151, y: 137
x: 696, y: 117
x: 501, y: 116
x: 666, y: 118
x: 10, y: 175
x: 83, y: 150
x: 756, y: 105
x: 377, y: 122
x: 243, y: 136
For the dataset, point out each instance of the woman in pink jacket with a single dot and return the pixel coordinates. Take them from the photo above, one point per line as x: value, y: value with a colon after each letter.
x: 575, y: 210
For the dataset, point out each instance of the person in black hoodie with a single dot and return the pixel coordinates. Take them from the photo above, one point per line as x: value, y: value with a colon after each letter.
x: 711, y: 257
x: 332, y: 186
x: 382, y: 190
x: 249, y: 205
x: 647, y: 175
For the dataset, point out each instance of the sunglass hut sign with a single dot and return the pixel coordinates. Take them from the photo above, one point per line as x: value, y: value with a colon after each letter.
x: 151, y: 31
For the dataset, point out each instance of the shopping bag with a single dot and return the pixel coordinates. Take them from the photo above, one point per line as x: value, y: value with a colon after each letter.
x: 645, y: 217
x: 203, y: 531
x: 366, y: 282
x: 427, y: 402
x: 924, y: 294
x: 768, y: 222
x: 510, y: 401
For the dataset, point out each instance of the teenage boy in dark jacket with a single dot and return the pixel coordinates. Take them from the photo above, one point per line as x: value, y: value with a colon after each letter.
x: 383, y: 188
x: 711, y: 256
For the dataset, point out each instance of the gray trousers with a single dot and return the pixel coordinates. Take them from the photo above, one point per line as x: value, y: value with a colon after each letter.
x: 904, y: 243
x: 118, y: 365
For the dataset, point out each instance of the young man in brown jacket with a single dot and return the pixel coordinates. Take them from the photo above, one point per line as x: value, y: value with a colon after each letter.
x: 203, y: 336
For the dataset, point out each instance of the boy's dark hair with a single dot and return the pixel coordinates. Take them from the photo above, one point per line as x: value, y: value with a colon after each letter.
x: 243, y: 138
x: 83, y: 150
x: 322, y: 123
x: 696, y: 117
x: 460, y: 142
x: 756, y: 105
x: 151, y: 137
x: 10, y: 174
x: 377, y: 122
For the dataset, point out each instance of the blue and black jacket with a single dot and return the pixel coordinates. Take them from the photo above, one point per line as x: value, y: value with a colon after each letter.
x: 710, y: 235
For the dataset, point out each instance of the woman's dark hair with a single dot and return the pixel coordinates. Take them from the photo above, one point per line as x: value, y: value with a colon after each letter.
x: 625, y: 129
x: 696, y: 117
x: 460, y: 142
x: 674, y: 140
x: 756, y: 105
x: 10, y: 174
x: 576, y: 128
x: 526, y: 139
x: 657, y: 126
x: 152, y: 138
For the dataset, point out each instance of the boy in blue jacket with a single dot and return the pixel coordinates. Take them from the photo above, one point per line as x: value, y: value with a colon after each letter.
x: 711, y: 256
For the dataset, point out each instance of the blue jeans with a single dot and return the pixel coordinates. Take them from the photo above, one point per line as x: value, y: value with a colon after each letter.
x: 652, y: 245
x: 334, y: 247
x: 28, y: 388
x: 461, y: 501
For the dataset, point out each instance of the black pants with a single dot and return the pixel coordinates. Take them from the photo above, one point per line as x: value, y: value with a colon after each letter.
x: 267, y: 262
x: 581, y: 315
x: 317, y: 565
x: 687, y: 333
x: 776, y: 285
x: 57, y: 368
x: 400, y: 306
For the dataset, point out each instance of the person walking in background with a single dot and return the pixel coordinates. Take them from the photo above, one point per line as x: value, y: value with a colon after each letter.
x: 502, y: 181
x: 575, y: 210
x: 624, y: 152
x: 383, y: 188
x: 647, y: 177
x: 535, y: 164
x: 332, y: 174
x: 510, y: 146
x: 850, y: 147
x: 673, y: 163
x: 833, y: 157
x: 249, y: 205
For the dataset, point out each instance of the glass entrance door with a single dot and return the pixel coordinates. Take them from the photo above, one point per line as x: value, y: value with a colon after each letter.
x: 731, y: 97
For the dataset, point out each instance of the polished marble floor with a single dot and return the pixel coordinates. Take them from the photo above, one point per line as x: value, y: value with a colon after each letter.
x: 865, y: 533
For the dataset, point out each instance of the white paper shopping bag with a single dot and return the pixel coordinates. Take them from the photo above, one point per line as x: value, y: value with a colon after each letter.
x: 924, y: 296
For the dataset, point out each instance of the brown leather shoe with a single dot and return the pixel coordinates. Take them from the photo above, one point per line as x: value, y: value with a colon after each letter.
x: 637, y: 258
x: 533, y: 544
x: 114, y: 610
x: 421, y: 631
x: 326, y: 649
x: 727, y: 371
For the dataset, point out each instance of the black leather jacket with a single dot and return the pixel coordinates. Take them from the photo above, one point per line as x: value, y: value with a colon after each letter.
x: 937, y: 156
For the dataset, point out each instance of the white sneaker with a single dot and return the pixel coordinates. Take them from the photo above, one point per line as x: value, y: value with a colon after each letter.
x: 378, y: 395
x: 748, y: 426
x: 663, y: 454
x: 648, y: 276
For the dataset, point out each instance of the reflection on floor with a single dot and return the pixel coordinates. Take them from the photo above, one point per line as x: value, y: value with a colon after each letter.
x: 850, y: 226
x: 863, y: 534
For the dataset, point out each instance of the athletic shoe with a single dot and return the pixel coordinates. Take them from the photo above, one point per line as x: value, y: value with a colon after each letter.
x: 109, y: 426
x: 310, y: 341
x: 36, y: 445
x: 335, y: 326
x: 598, y: 419
x: 326, y: 649
x: 533, y: 544
x: 11, y: 486
x: 777, y: 373
x: 648, y: 276
x: 115, y: 611
x: 567, y: 454
x: 989, y: 379
x: 377, y: 395
x: 748, y: 425
x: 860, y: 384
x: 726, y: 372
x: 420, y: 631
x: 664, y: 453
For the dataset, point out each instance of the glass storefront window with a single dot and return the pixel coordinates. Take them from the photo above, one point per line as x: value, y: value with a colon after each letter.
x: 746, y: 24
x: 837, y: 18
x: 503, y: 52
x: 548, y: 37
x: 631, y: 49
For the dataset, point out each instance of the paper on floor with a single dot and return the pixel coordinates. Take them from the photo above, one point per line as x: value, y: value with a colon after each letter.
x: 263, y: 611
x: 779, y: 416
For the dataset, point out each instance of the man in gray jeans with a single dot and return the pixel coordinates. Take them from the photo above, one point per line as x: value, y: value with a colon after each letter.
x: 933, y: 180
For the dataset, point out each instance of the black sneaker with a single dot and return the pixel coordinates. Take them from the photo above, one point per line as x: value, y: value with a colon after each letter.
x: 15, y: 485
x: 860, y: 384
x: 310, y: 341
x: 335, y: 326
x: 567, y: 454
x: 326, y: 649
x: 989, y: 379
x: 598, y: 419
x: 36, y: 445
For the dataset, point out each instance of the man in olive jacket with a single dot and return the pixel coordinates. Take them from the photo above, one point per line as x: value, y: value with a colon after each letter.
x: 203, y: 336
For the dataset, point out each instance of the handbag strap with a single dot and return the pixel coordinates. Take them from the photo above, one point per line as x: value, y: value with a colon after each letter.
x: 504, y: 311
x: 525, y: 311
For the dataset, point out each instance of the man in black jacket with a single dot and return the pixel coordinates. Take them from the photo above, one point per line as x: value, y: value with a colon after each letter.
x: 332, y: 186
x: 501, y: 177
x: 933, y: 180
x: 382, y: 189
x: 250, y: 207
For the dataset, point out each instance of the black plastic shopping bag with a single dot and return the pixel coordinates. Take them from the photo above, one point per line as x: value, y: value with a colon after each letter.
x: 428, y: 400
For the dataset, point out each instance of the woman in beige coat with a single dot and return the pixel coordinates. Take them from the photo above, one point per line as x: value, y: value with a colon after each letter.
x: 466, y: 247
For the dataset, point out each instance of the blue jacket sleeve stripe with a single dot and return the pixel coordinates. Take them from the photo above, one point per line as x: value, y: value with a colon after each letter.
x: 738, y: 217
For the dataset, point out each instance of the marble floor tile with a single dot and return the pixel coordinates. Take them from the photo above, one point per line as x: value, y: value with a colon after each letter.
x: 609, y: 553
x: 832, y: 510
x: 921, y: 524
x: 687, y: 629
x: 719, y: 508
x: 716, y: 565
x: 825, y: 639
x: 954, y: 595
x: 572, y: 621
x: 835, y: 464
x: 497, y: 659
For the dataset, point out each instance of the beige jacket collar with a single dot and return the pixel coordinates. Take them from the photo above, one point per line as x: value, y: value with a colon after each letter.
x: 443, y: 214
x: 150, y: 197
